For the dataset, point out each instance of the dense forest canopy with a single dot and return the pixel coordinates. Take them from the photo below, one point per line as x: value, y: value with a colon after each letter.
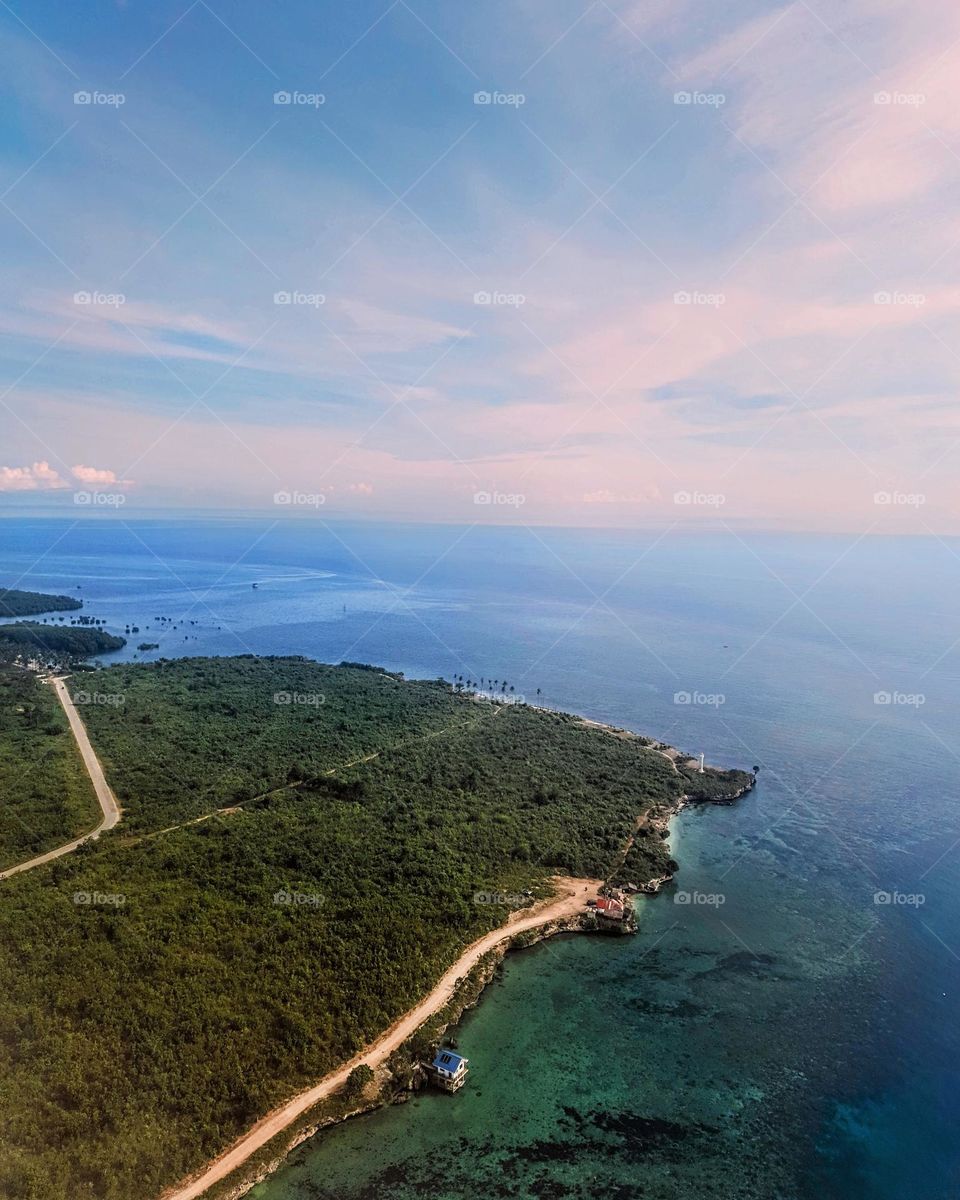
x: 55, y: 643
x: 164, y: 987
x: 14, y: 603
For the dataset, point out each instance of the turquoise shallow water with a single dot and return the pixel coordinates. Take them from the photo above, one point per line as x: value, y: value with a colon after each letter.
x: 795, y: 1036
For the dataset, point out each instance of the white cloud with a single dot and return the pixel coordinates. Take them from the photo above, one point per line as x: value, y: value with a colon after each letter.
x: 38, y: 477
x: 96, y: 475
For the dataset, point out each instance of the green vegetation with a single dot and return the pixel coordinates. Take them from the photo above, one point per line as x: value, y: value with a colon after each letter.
x: 358, y: 1080
x: 28, y: 604
x: 55, y: 644
x: 210, y: 971
x: 46, y: 792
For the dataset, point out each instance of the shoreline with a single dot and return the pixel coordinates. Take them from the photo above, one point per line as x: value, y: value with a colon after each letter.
x: 562, y: 911
x: 460, y: 988
x: 481, y: 958
x: 241, y: 1165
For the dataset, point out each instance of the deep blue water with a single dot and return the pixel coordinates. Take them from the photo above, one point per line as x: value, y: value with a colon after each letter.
x: 798, y: 1038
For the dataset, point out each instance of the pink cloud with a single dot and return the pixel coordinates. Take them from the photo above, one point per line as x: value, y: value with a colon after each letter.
x: 96, y: 476
x: 38, y: 477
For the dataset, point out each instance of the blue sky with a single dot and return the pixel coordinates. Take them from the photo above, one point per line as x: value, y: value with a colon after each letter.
x: 587, y: 300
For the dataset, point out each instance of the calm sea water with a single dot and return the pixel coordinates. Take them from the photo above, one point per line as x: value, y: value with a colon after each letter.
x: 785, y: 1023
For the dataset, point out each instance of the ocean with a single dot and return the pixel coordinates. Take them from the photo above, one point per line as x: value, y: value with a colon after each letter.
x: 784, y: 1025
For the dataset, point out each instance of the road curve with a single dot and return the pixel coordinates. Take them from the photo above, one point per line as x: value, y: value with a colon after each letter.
x: 571, y: 899
x: 108, y: 801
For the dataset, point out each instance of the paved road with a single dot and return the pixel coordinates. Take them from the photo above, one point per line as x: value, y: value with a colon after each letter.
x: 108, y: 801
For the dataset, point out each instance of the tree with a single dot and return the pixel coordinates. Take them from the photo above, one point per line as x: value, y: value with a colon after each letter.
x: 357, y: 1081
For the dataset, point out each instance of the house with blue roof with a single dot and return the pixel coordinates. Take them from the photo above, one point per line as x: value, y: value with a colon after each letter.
x: 449, y: 1070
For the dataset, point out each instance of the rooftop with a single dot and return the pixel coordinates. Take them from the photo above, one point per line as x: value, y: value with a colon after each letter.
x: 446, y: 1060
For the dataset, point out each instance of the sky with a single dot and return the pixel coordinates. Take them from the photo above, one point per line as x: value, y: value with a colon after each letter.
x: 609, y: 263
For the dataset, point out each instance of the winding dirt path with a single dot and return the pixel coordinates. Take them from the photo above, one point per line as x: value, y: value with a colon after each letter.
x: 569, y: 900
x: 108, y: 801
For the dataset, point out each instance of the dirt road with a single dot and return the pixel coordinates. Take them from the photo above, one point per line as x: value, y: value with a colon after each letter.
x: 570, y: 899
x: 108, y: 801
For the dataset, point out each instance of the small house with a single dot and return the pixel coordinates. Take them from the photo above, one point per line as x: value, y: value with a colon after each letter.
x: 610, y: 908
x: 449, y: 1070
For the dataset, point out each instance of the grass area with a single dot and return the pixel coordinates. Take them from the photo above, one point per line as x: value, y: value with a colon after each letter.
x: 208, y: 973
x: 47, y: 797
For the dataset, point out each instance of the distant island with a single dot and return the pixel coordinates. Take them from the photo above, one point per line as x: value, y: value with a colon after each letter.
x: 304, y: 851
x: 14, y: 603
x: 57, y: 645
